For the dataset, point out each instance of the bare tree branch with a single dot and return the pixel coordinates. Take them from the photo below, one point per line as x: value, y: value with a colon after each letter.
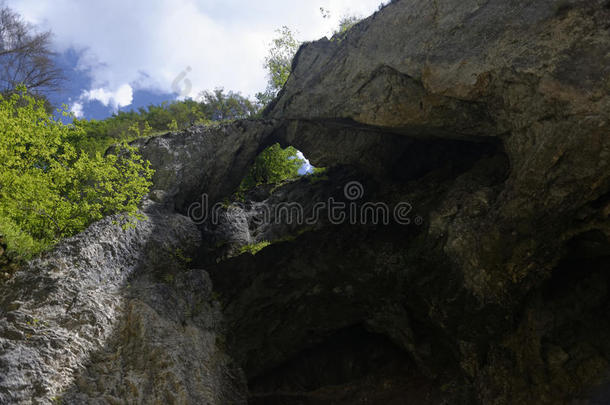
x: 26, y: 56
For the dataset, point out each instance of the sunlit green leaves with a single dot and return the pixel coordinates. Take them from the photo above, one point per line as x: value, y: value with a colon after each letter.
x: 48, y: 188
x: 272, y: 166
x: 278, y: 63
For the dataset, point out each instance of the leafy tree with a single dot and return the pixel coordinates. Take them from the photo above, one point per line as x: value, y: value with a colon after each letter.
x: 279, y: 60
x: 278, y: 63
x: 48, y: 188
x: 129, y: 125
x: 284, y: 47
x: 230, y: 106
x: 272, y: 166
x: 25, y: 56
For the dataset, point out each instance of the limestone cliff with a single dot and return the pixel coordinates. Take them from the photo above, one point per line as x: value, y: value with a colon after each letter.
x: 490, y: 118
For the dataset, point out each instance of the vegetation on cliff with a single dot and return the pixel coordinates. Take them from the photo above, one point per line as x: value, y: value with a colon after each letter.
x: 57, y: 177
x: 49, y: 188
x: 211, y: 107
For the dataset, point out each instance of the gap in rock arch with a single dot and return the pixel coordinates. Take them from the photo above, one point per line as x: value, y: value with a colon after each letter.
x: 275, y: 165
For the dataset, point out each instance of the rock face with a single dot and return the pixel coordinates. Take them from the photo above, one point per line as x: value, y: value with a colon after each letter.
x: 112, y: 315
x: 486, y: 122
x: 511, y: 72
x: 210, y: 160
x: 267, y: 215
x: 492, y: 119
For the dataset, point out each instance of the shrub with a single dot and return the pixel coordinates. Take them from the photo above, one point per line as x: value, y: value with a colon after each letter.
x: 346, y: 23
x: 272, y: 166
x: 216, y: 106
x: 48, y: 188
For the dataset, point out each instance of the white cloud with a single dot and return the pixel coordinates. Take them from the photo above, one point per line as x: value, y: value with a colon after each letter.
x: 146, y: 44
x: 77, y: 109
x: 121, y: 97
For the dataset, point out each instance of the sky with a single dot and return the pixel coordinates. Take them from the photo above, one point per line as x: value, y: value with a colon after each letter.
x: 131, y: 53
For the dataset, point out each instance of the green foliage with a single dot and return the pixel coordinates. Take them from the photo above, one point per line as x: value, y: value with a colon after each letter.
x: 279, y: 60
x: 284, y: 47
x: 49, y: 189
x: 219, y: 106
x: 266, y: 97
x: 272, y: 166
x: 254, y: 248
x: 278, y: 63
x: 345, y: 24
x: 318, y: 174
x: 173, y: 126
x: 126, y: 126
x: 17, y: 241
